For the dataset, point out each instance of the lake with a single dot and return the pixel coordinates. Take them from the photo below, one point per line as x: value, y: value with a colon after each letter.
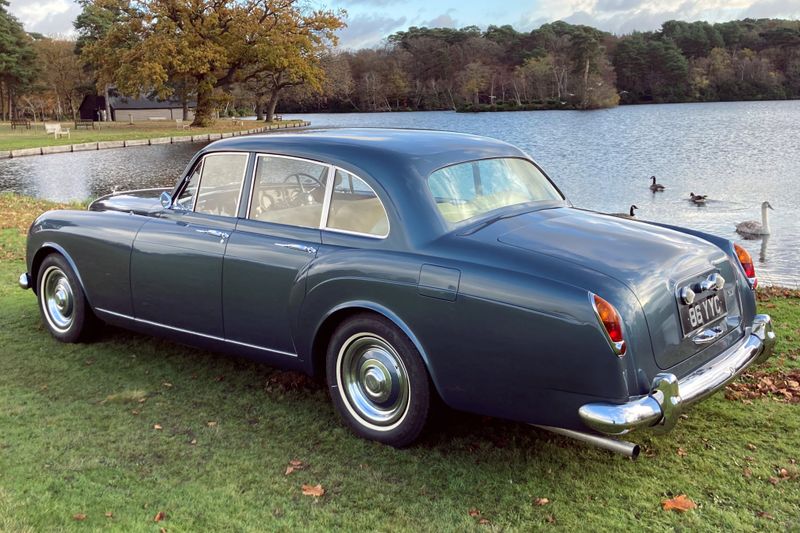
x: 738, y: 153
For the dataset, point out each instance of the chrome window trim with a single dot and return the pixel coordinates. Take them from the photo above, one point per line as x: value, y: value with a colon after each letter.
x: 204, y: 335
x: 325, y: 227
x: 326, y: 203
x: 202, y: 171
x: 253, y: 186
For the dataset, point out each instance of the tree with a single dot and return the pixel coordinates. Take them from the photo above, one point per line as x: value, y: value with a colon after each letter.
x: 64, y: 77
x: 18, y: 67
x: 204, y: 44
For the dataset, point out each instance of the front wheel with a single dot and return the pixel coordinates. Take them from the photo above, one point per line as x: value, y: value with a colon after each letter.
x: 378, y: 381
x: 63, y: 305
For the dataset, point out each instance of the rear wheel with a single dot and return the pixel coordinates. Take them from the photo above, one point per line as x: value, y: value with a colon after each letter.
x: 63, y: 305
x: 378, y: 381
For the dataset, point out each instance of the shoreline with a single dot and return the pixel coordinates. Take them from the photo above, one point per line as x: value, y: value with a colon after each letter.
x: 104, y: 145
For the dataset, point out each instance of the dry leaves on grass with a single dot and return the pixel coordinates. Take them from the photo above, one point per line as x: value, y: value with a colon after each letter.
x: 80, y: 517
x: 109, y: 514
x: 482, y: 520
x: 294, y: 464
x: 313, y: 490
x: 157, y: 427
x: 682, y: 452
x: 679, y: 503
x: 290, y: 380
x: 161, y: 515
x: 781, y: 386
x: 541, y: 501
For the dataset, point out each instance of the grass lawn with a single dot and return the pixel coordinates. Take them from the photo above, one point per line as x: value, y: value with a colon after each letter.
x: 112, y: 433
x: 112, y: 131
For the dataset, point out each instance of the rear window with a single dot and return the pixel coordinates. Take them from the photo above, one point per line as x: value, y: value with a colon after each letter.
x: 471, y: 189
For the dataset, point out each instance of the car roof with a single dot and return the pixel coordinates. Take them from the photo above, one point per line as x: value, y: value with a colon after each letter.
x: 373, y: 148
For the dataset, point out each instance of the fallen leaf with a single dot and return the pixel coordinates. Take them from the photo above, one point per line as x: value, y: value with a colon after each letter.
x: 746, y: 472
x: 109, y: 514
x: 135, y: 412
x: 167, y: 384
x: 474, y: 512
x: 551, y: 519
x: 682, y: 452
x: 160, y: 516
x: 157, y: 426
x: 80, y: 517
x: 783, y: 473
x: 483, y: 521
x: 313, y: 490
x: 679, y: 503
x: 774, y: 480
x: 294, y: 464
x: 541, y: 501
x: 765, y: 515
x: 211, y: 423
x: 219, y: 378
x: 193, y: 442
x: 142, y: 400
x: 162, y: 530
x: 751, y: 447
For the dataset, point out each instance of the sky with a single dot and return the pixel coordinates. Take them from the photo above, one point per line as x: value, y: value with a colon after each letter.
x: 371, y: 21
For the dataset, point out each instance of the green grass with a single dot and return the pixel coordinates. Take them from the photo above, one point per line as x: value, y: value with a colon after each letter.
x: 77, y: 437
x: 111, y: 131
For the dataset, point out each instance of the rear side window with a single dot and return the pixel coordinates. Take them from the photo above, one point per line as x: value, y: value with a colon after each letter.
x: 220, y: 183
x: 356, y: 208
x: 288, y: 191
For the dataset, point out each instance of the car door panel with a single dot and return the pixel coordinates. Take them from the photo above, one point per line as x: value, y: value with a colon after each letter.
x: 263, y: 282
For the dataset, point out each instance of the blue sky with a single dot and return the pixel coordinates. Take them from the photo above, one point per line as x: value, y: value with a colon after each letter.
x: 371, y: 21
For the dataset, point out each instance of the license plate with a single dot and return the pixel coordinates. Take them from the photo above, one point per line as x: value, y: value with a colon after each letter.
x: 702, y: 312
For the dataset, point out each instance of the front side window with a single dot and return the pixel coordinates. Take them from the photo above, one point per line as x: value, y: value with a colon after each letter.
x: 217, y: 185
x: 288, y: 191
x: 467, y: 190
x: 355, y: 207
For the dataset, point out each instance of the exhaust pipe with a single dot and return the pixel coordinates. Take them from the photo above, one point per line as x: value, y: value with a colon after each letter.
x: 625, y: 448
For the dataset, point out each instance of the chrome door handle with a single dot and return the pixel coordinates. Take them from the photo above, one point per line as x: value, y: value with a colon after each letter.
x: 709, y: 335
x: 300, y: 247
x: 216, y: 233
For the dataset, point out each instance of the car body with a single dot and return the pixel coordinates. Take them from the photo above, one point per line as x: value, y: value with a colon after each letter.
x: 514, y: 304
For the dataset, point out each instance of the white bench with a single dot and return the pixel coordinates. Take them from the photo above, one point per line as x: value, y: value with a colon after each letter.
x: 56, y: 130
x: 181, y: 124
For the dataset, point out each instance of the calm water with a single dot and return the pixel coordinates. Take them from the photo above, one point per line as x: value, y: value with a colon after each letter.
x: 737, y: 153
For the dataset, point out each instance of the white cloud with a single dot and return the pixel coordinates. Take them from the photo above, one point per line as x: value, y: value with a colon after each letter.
x: 50, y: 17
x: 368, y: 30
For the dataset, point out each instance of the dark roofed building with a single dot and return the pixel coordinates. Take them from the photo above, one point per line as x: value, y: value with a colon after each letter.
x: 92, y: 107
x: 124, y: 108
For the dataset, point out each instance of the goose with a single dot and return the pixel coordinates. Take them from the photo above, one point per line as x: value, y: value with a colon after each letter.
x: 752, y: 227
x: 656, y: 187
x: 698, y: 199
x: 629, y: 214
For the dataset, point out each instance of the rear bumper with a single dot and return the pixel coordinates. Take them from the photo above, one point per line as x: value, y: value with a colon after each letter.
x: 668, y: 395
x: 25, y: 281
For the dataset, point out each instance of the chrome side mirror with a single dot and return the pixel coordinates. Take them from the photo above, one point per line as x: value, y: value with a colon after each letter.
x: 166, y: 200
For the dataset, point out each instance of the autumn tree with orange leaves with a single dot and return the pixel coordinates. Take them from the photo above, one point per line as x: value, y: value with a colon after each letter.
x: 203, y: 46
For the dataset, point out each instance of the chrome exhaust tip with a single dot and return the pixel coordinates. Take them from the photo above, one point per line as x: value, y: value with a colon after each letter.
x: 628, y: 449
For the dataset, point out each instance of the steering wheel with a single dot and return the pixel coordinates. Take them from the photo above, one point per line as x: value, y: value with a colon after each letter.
x: 299, y: 176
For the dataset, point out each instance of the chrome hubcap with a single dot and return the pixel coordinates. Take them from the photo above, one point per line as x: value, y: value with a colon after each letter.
x: 58, y: 298
x: 373, y: 380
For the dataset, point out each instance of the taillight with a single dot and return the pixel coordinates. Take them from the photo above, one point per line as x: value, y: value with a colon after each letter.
x: 612, y: 323
x: 747, y: 264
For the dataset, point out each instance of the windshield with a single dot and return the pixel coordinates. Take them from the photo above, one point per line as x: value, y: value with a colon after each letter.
x: 467, y: 190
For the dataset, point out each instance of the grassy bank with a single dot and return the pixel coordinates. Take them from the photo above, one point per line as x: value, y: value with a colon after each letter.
x: 12, y: 139
x: 113, y: 433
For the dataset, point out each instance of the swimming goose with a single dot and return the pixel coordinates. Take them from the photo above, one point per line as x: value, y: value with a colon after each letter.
x: 656, y: 187
x: 630, y: 214
x: 698, y: 199
x: 752, y: 227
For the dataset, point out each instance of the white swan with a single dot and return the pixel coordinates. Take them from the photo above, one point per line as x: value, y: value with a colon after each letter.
x: 752, y: 227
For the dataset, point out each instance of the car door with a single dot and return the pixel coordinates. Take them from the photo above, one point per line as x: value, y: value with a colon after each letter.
x: 176, y: 262
x: 263, y: 281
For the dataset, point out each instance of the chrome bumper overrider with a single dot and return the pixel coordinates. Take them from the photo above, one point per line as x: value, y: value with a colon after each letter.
x: 661, y: 408
x: 25, y: 281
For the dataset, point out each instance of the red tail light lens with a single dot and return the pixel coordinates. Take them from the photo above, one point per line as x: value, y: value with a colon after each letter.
x: 612, y: 323
x: 747, y: 264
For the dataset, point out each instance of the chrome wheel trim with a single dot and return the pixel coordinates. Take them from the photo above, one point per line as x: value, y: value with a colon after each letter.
x: 57, y: 299
x: 373, y: 382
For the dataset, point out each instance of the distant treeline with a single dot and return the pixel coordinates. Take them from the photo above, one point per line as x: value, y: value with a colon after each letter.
x: 561, y: 65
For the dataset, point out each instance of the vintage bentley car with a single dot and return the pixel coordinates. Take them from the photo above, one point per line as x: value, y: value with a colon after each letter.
x: 406, y: 266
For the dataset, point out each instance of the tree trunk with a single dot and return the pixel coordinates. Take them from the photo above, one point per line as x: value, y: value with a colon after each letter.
x: 272, y: 103
x: 184, y: 108
x: 259, y: 110
x: 108, y: 104
x: 205, y: 105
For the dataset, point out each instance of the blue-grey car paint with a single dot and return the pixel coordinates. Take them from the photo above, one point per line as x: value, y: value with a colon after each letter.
x: 500, y: 315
